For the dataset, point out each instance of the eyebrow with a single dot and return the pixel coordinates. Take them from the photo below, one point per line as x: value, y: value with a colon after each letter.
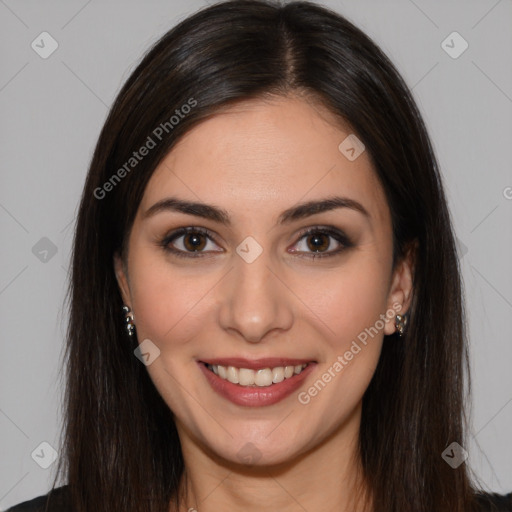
x: 221, y: 216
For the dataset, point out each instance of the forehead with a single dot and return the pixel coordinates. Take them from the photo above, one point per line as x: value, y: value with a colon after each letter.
x: 264, y: 155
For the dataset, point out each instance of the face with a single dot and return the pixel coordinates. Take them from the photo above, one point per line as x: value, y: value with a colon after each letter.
x: 268, y: 276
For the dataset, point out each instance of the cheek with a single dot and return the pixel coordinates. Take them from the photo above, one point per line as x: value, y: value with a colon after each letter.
x: 166, y: 302
x: 350, y: 306
x: 350, y: 300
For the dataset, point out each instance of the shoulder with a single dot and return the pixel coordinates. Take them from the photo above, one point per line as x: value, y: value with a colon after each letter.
x: 494, y: 502
x: 57, y: 499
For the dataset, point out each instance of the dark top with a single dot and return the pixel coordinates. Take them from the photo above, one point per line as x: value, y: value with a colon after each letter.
x: 58, y: 502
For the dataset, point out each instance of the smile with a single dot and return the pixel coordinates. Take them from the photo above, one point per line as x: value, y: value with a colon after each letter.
x: 263, y: 377
x: 266, y: 382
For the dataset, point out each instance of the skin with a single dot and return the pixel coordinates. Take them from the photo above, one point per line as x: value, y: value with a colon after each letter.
x: 255, y: 160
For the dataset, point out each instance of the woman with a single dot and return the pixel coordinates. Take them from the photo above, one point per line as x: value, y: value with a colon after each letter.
x: 266, y: 307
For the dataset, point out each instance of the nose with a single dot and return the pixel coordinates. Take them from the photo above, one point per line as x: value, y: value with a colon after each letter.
x: 255, y: 301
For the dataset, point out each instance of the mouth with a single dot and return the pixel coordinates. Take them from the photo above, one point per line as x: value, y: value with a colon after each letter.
x: 256, y: 382
x: 258, y: 377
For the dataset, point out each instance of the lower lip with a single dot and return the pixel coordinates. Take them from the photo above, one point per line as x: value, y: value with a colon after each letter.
x: 255, y: 396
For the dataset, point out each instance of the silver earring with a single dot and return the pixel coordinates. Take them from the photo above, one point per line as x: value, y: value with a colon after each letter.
x: 130, y: 325
x: 400, y: 324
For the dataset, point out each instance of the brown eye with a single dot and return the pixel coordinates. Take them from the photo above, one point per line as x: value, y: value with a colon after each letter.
x: 321, y: 242
x: 190, y: 242
x: 194, y: 241
x: 318, y: 242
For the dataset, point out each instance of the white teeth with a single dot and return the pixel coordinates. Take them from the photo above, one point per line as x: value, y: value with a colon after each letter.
x: 263, y: 377
x: 278, y: 374
x: 288, y: 371
x: 245, y: 376
x: 232, y: 374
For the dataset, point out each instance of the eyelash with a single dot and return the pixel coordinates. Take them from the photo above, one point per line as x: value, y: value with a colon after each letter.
x: 339, y: 236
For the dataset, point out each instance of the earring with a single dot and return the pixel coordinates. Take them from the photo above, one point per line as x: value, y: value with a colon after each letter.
x: 400, y: 324
x: 129, y: 319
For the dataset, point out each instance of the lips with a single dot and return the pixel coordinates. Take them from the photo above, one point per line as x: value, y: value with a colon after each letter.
x: 256, y: 396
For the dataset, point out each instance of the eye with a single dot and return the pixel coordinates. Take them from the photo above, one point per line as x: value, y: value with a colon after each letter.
x: 317, y: 242
x: 321, y: 242
x: 189, y: 242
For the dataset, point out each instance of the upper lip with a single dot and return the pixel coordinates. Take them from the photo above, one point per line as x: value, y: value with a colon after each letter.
x: 255, y: 364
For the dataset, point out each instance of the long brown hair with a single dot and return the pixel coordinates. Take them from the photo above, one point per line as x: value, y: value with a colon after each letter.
x: 121, y: 448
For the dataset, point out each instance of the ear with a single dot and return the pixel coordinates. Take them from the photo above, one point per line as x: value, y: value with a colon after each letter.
x: 122, y: 279
x: 401, y: 292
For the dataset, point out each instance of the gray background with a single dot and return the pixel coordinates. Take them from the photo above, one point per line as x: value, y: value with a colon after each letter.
x: 52, y: 111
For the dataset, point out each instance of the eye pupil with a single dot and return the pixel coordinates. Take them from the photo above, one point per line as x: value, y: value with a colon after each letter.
x: 195, y: 242
x: 318, y: 243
